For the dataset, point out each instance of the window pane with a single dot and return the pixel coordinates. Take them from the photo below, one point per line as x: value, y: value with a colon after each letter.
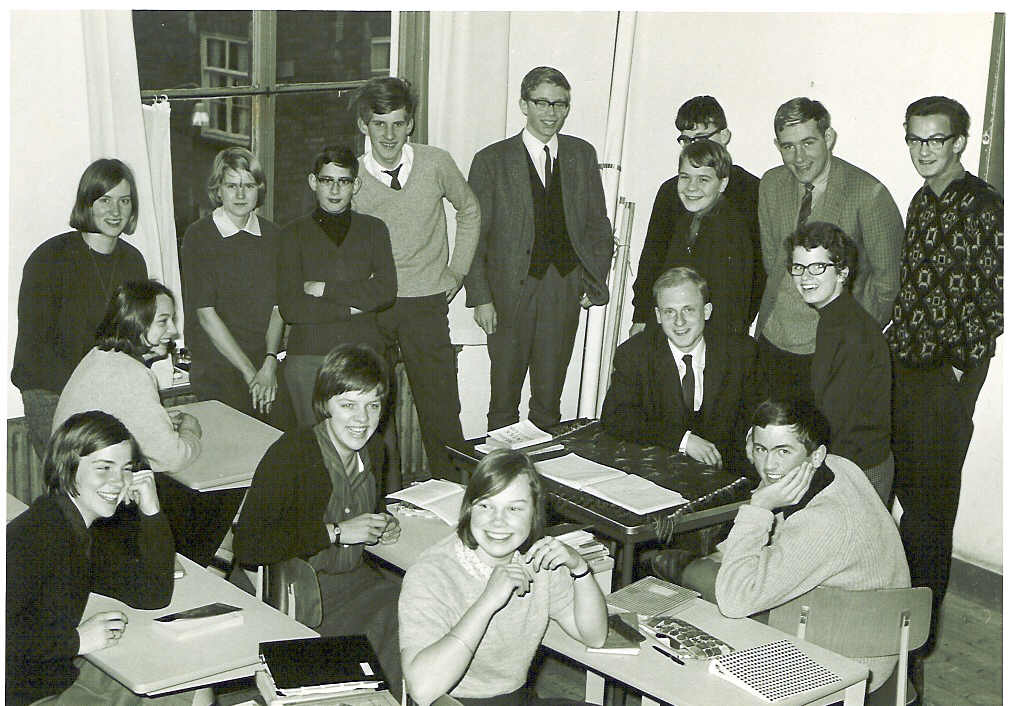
x: 328, y: 46
x: 305, y: 124
x: 169, y: 46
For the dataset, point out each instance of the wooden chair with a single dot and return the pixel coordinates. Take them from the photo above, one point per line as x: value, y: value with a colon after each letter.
x: 292, y: 587
x: 879, y: 623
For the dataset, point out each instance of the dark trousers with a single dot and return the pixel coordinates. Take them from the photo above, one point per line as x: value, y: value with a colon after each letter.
x: 540, y: 339
x: 421, y: 327
x: 225, y: 384
x: 932, y: 429
x: 199, y: 521
x: 40, y: 408
x: 781, y: 373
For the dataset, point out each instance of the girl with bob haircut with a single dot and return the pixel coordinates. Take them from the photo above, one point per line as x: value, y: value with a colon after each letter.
x: 476, y: 605
x: 315, y: 496
x: 65, y: 286
x: 850, y: 373
x: 229, y: 267
x: 76, y: 539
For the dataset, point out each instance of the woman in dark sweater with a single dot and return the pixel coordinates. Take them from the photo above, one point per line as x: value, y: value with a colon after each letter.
x: 66, y: 285
x: 335, y: 271
x: 75, y: 540
x: 229, y: 270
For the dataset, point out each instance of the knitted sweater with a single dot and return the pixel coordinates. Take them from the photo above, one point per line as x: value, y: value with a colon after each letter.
x: 415, y: 217
x: 446, y: 580
x: 116, y: 383
x: 64, y: 291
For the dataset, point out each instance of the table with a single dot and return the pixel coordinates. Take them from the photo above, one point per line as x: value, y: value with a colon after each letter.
x: 714, y: 494
x: 656, y: 677
x: 149, y: 661
x: 14, y: 507
x: 231, y: 447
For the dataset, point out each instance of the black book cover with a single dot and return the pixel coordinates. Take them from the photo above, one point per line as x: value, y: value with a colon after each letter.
x: 317, y: 661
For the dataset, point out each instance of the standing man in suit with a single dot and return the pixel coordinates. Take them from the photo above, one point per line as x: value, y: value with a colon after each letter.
x: 699, y: 118
x: 544, y: 250
x: 404, y: 186
x: 676, y: 386
x: 814, y: 185
x: 947, y: 318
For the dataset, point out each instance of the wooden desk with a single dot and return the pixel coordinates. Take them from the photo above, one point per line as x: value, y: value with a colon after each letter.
x: 14, y: 507
x: 232, y: 445
x: 149, y: 661
x: 656, y: 677
x: 704, y: 486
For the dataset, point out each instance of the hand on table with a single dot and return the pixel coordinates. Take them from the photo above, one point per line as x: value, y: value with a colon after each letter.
x: 701, y: 450
x: 392, y: 531
x: 101, y: 630
x: 183, y: 421
x: 366, y: 528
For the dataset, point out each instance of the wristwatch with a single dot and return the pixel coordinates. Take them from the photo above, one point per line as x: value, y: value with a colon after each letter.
x: 336, y: 533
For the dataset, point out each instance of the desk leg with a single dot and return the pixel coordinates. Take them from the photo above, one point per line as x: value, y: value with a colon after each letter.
x: 627, y: 563
x: 594, y: 688
x: 646, y: 701
x: 855, y: 694
x: 203, y: 696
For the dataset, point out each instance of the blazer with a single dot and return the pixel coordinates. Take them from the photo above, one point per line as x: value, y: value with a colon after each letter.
x: 644, y: 403
x: 858, y: 204
x: 499, y: 176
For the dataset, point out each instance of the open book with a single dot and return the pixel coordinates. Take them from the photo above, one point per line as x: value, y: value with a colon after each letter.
x: 639, y: 495
x: 515, y: 436
x: 442, y: 497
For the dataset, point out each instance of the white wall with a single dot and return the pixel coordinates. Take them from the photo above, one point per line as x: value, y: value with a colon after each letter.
x: 49, y: 145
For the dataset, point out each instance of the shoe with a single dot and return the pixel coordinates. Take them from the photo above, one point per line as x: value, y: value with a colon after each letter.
x: 668, y: 564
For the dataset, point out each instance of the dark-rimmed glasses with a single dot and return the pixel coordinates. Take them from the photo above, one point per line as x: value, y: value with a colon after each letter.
x: 686, y: 140
x: 814, y: 268
x: 935, y: 142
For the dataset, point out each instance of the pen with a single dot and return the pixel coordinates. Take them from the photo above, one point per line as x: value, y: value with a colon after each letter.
x: 672, y: 656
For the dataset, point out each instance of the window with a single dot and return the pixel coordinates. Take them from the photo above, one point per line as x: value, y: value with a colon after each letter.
x: 277, y: 82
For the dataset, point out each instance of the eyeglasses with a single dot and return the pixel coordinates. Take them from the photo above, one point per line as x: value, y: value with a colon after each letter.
x: 686, y: 140
x: 327, y: 182
x: 814, y: 268
x: 234, y: 188
x: 542, y: 104
x: 935, y: 142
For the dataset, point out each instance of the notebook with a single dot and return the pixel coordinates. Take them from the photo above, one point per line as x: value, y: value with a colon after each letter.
x: 623, y: 637
x: 442, y: 497
x: 322, y: 665
x: 651, y: 596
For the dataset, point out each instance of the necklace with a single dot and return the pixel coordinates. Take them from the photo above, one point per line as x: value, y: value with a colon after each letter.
x: 106, y: 288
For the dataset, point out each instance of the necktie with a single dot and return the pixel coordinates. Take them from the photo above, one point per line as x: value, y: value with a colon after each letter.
x: 687, y: 383
x: 394, y: 175
x: 805, y: 204
x: 547, y: 168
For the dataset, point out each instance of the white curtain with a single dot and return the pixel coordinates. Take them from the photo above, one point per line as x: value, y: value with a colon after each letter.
x: 120, y: 127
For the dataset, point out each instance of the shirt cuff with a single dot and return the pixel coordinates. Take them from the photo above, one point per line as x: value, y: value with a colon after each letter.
x: 683, y: 442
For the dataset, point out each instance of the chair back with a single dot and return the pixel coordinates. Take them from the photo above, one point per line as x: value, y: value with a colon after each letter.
x: 858, y: 623
x: 292, y: 587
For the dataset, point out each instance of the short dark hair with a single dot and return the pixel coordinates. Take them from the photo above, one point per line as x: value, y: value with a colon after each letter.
x: 542, y: 74
x: 78, y: 436
x: 493, y: 474
x: 384, y: 95
x: 129, y: 315
x: 700, y: 111
x: 341, y: 155
x: 807, y: 422
x: 817, y: 234
x: 800, y: 110
x: 679, y: 275
x: 101, y: 177
x: 955, y: 113
x: 348, y: 367
x: 706, y: 153
x: 236, y: 159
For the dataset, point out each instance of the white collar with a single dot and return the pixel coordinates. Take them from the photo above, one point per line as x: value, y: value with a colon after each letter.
x: 375, y: 169
x: 697, y: 353
x: 536, y: 148
x: 227, y: 228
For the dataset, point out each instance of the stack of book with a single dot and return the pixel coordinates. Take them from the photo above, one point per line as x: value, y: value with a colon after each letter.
x: 596, y: 554
x: 318, y: 668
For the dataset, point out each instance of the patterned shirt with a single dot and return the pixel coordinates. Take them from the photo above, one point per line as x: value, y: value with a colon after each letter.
x: 950, y: 305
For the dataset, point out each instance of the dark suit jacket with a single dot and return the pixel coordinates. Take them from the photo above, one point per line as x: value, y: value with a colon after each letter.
x: 499, y: 176
x: 645, y: 404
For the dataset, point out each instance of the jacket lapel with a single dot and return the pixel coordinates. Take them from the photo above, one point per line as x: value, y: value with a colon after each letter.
x: 518, y: 176
x: 834, y: 193
x: 666, y: 373
x: 715, y: 371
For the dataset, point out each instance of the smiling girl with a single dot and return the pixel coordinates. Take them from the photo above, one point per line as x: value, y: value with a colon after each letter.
x: 75, y: 540
x: 475, y: 607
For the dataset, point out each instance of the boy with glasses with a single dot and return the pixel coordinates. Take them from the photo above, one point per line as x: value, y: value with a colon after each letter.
x: 699, y: 118
x: 544, y: 251
x: 947, y: 317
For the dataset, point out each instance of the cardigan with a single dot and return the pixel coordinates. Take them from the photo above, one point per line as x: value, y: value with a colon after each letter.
x: 284, y: 513
x: 53, y: 562
x: 65, y: 290
x: 114, y: 382
x: 358, y: 272
x: 850, y: 375
x: 415, y: 217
